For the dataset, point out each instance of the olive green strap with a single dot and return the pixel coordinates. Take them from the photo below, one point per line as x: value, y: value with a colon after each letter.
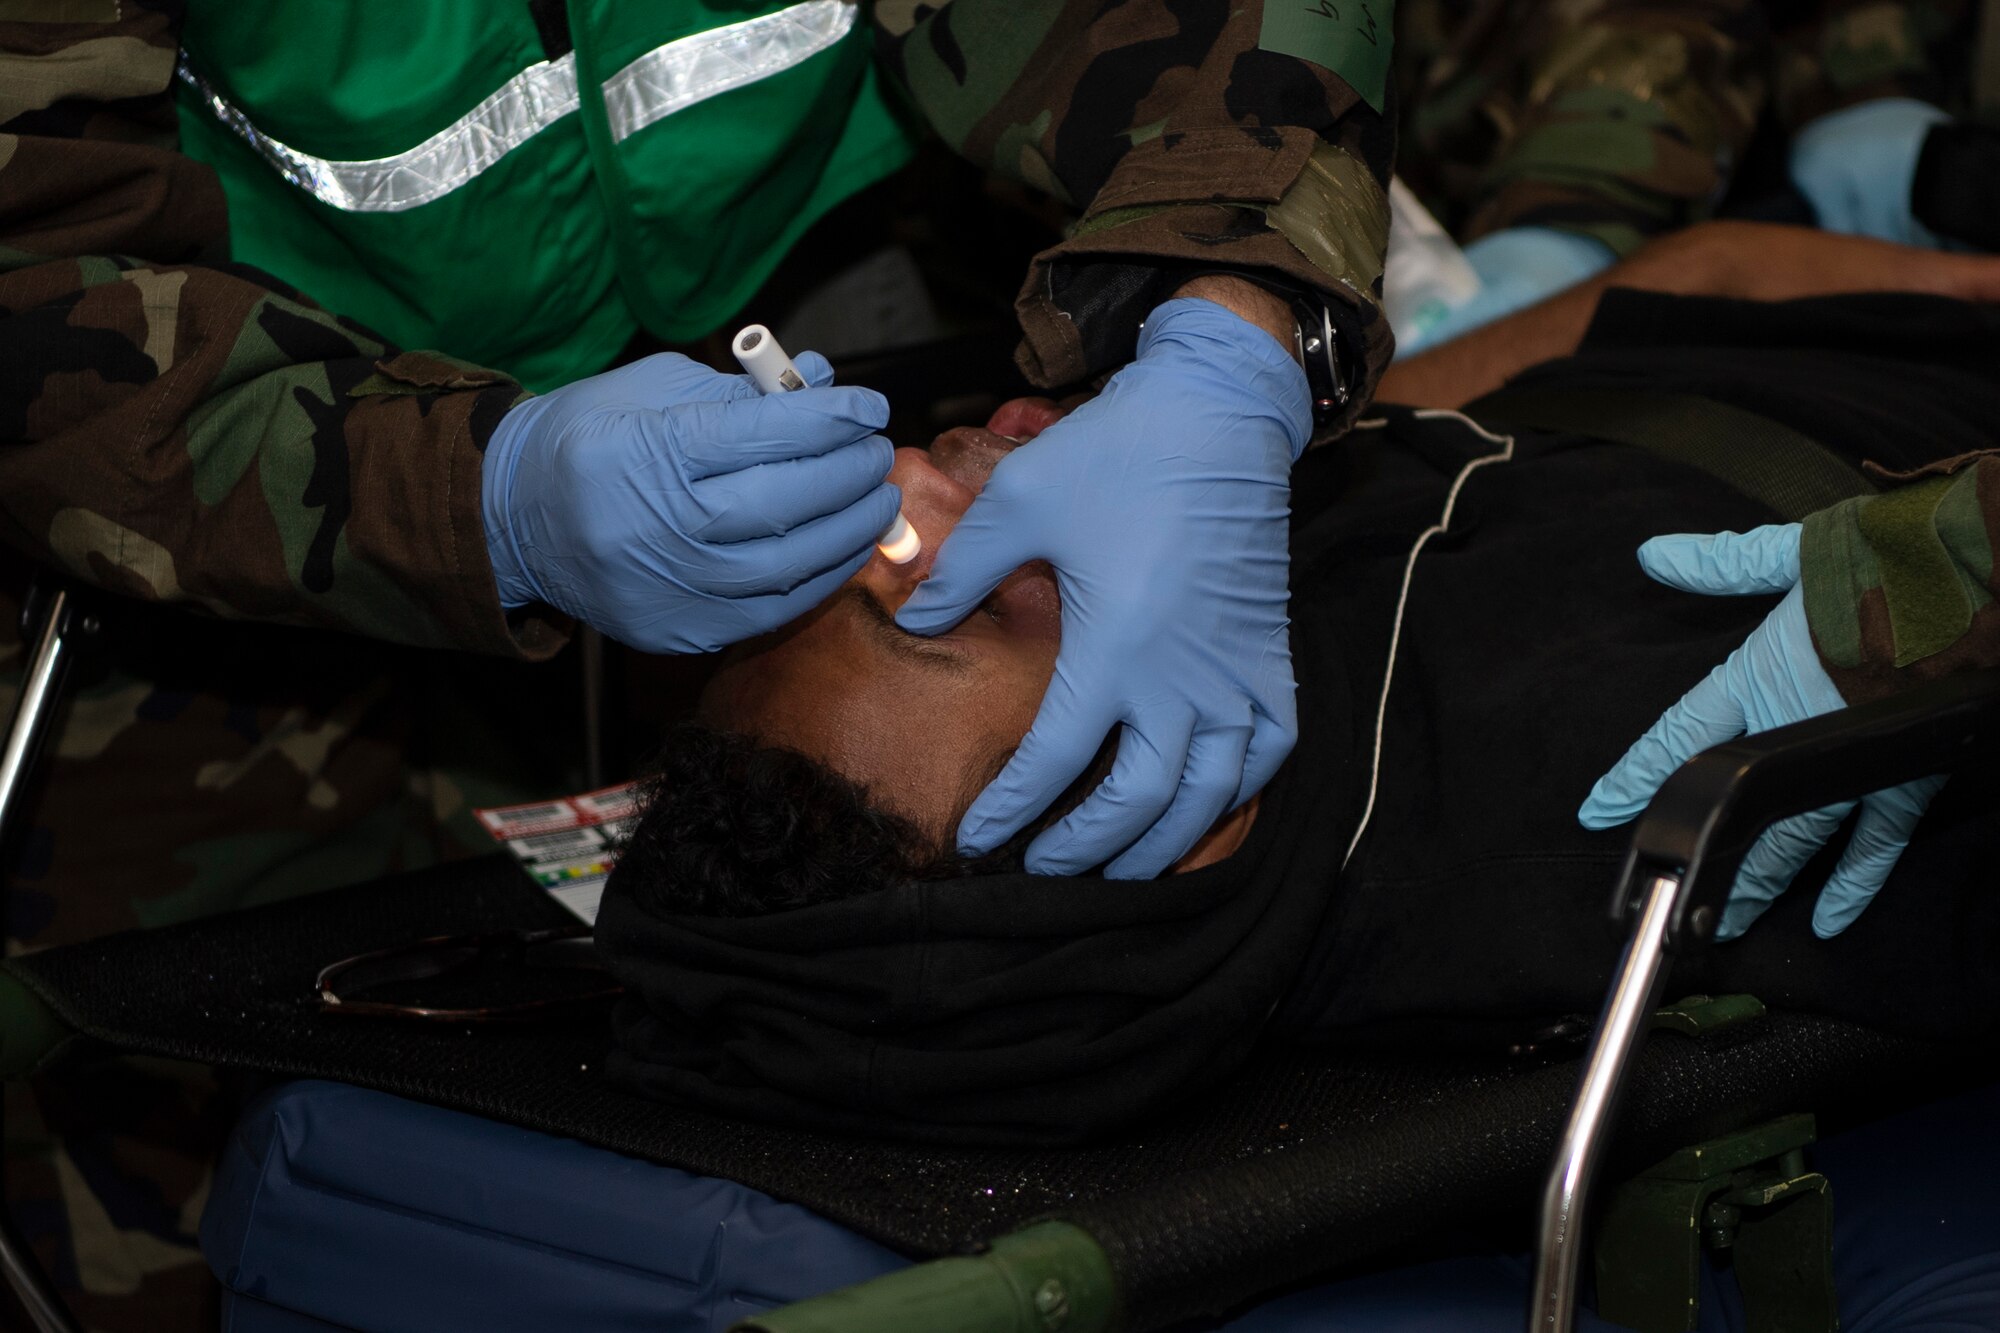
x: 1050, y: 1277
x: 30, y: 1032
x: 1751, y: 454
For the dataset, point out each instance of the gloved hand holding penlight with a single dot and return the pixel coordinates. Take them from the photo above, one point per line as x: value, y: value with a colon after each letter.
x: 764, y: 360
x: 679, y: 509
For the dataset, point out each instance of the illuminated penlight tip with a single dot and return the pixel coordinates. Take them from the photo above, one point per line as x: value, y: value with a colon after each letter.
x: 900, y: 544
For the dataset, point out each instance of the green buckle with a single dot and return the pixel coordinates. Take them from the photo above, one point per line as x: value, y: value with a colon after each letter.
x: 1748, y: 1193
x: 1048, y: 1277
x: 1705, y: 1015
x: 31, y: 1036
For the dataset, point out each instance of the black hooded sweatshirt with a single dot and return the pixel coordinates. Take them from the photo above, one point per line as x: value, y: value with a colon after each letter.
x: 1471, y: 910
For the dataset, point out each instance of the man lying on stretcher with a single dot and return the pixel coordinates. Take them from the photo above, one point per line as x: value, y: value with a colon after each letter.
x: 1475, y: 647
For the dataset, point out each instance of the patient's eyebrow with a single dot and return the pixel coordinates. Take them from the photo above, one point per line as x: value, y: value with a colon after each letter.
x: 916, y: 647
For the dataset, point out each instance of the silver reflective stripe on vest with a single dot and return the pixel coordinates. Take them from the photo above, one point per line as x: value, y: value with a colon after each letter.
x: 526, y: 104
x: 666, y: 79
x: 674, y: 77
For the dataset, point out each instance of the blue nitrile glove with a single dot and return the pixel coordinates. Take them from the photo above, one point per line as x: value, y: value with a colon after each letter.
x: 1774, y: 679
x: 678, y: 509
x: 1162, y: 504
x: 1855, y: 167
x: 1517, y: 267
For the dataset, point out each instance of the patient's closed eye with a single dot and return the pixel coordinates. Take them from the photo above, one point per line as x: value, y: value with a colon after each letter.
x: 917, y: 647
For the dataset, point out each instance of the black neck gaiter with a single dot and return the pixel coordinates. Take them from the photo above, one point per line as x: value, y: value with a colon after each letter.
x: 1006, y: 1009
x: 1029, y: 1008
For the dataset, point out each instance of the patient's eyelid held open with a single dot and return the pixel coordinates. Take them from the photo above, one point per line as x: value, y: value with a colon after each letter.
x: 934, y: 651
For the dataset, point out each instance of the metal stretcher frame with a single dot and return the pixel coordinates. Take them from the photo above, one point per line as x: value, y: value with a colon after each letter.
x: 1686, y: 847
x: 54, y: 622
x: 1053, y: 1277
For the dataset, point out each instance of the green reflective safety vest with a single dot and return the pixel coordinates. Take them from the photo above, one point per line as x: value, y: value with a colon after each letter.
x: 422, y: 166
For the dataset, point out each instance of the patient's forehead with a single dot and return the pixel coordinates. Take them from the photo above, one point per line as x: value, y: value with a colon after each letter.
x: 918, y: 721
x: 915, y: 738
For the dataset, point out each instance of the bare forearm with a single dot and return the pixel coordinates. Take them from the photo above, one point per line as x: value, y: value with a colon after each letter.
x: 1688, y: 263
x: 1248, y: 301
x: 1740, y: 260
x: 1480, y: 362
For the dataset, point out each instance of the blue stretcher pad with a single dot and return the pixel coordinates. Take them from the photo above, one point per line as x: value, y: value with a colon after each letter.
x: 336, y: 1208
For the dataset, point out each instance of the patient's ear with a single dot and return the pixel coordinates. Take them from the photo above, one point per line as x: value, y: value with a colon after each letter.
x: 1221, y: 840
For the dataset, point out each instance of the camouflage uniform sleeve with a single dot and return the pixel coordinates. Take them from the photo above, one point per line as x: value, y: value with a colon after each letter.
x: 1623, y: 123
x: 1855, y: 51
x: 190, y: 431
x: 1243, y: 138
x: 1900, y: 587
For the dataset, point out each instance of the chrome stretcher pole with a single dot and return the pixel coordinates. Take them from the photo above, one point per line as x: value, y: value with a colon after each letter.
x: 1685, y: 852
x: 41, y: 692
x: 1635, y: 993
x: 30, y: 1285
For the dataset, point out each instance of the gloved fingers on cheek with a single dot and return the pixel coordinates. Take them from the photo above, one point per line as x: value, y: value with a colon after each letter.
x: 777, y: 565
x: 1207, y: 791
x: 1881, y: 832
x: 1706, y: 715
x: 1153, y: 751
x: 718, y: 437
x: 977, y: 554
x: 1057, y: 749
x: 1773, y: 861
x: 774, y: 498
x: 1762, y: 560
x: 761, y: 615
x: 1273, y: 734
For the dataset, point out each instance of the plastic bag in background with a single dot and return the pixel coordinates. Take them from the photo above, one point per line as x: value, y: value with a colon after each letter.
x: 1426, y: 275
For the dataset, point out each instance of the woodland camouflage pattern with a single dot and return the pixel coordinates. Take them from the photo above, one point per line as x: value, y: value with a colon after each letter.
x: 1625, y: 119
x: 287, y: 508
x: 1900, y: 587
x: 1171, y: 130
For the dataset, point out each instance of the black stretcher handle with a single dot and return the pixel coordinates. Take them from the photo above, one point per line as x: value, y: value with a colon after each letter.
x: 1710, y: 810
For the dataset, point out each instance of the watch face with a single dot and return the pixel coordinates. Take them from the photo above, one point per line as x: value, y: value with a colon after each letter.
x: 1319, y: 352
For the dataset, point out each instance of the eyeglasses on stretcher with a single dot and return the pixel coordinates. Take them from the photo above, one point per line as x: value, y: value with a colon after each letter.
x: 479, y: 978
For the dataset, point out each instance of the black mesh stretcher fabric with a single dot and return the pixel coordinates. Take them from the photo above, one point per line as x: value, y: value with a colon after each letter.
x: 1308, y: 1160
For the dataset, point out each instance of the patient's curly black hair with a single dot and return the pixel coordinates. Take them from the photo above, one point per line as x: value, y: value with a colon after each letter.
x: 732, y: 827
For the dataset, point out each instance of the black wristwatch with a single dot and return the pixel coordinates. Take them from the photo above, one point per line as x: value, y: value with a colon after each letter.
x: 1318, y: 348
x: 1316, y: 337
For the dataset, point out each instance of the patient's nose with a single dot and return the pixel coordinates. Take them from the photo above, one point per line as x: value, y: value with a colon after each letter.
x: 933, y: 503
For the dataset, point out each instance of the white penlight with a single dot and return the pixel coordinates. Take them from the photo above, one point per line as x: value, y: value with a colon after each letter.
x: 900, y: 544
x: 765, y: 362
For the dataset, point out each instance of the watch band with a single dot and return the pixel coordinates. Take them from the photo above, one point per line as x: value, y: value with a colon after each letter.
x: 1316, y: 337
x: 1319, y: 352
